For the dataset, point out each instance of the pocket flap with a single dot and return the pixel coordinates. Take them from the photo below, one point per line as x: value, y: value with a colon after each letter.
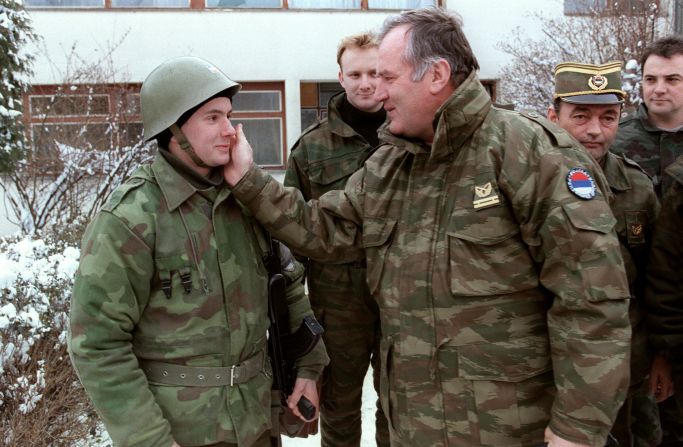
x: 489, y: 233
x: 504, y: 361
x: 330, y: 171
x: 582, y: 217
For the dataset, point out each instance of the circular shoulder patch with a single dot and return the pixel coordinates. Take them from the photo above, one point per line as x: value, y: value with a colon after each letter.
x: 581, y: 183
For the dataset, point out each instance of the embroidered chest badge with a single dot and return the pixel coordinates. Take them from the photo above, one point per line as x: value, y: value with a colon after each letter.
x: 484, y: 196
x: 581, y: 183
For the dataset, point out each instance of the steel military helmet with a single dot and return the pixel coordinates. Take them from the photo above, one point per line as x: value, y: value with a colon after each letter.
x: 177, y: 86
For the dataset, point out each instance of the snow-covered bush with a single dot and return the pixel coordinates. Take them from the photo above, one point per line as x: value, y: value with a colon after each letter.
x: 618, y: 31
x: 41, y: 400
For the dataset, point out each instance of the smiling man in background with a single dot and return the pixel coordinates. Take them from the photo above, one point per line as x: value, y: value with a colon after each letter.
x: 323, y: 159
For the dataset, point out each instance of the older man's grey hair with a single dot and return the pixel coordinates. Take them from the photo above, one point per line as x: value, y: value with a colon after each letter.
x: 433, y: 34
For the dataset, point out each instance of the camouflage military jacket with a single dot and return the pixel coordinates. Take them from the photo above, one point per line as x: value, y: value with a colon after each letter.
x: 664, y: 294
x: 635, y: 206
x: 157, y: 229
x: 502, y: 295
x: 652, y: 148
x: 322, y: 160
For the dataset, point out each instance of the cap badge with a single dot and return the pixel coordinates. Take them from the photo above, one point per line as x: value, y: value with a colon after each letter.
x: 636, y: 229
x: 485, y: 196
x: 581, y: 183
x: 597, y: 82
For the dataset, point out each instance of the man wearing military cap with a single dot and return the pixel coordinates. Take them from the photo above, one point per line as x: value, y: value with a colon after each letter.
x: 169, y: 307
x: 587, y: 103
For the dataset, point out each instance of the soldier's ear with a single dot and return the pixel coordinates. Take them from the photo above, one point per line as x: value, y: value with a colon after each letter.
x: 552, y: 114
x: 440, y: 75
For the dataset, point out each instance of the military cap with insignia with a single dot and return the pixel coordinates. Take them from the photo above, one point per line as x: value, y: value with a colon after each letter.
x: 589, y: 84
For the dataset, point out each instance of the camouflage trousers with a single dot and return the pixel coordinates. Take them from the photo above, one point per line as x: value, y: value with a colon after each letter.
x: 352, y: 333
x: 637, y: 423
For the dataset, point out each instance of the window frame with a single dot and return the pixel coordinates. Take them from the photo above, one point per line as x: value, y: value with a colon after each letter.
x: 602, y: 9
x: 201, y: 4
x: 133, y: 116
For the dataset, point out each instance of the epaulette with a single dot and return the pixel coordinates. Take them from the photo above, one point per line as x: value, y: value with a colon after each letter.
x: 308, y: 130
x: 137, y: 179
x: 675, y: 170
x: 560, y: 136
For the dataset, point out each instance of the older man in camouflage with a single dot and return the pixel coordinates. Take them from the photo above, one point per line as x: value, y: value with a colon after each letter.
x: 587, y: 104
x: 490, y: 249
x: 169, y: 309
x: 323, y: 159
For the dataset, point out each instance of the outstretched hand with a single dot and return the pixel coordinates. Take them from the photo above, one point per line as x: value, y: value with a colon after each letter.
x: 241, y: 158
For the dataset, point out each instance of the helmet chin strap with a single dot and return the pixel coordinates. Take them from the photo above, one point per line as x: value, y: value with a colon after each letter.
x: 186, y: 146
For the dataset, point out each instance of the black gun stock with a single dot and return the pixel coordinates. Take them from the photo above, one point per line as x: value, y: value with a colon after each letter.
x: 285, y: 347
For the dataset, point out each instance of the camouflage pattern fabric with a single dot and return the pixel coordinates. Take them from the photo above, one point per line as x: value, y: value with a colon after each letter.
x: 499, y: 320
x: 323, y: 160
x: 635, y: 207
x: 664, y: 293
x: 652, y: 148
x: 158, y: 229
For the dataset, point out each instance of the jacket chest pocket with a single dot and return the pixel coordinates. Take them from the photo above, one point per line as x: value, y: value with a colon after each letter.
x: 328, y: 175
x: 487, y: 255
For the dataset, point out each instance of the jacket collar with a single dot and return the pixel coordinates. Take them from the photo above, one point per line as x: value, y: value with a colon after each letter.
x: 642, y: 116
x: 175, y: 188
x: 334, y: 119
x: 455, y: 121
x: 615, y: 173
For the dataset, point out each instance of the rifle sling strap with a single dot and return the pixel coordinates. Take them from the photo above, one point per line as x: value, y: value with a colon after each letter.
x: 203, y: 376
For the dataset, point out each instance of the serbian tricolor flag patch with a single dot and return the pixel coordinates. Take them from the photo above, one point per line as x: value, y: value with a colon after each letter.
x: 581, y: 183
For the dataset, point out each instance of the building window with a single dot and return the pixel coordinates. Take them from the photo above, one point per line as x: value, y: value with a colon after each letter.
x: 100, y: 117
x: 238, y: 4
x: 314, y: 99
x: 273, y: 4
x: 91, y: 117
x: 589, y: 7
x: 324, y: 4
x: 65, y: 3
x: 150, y: 3
x: 259, y: 107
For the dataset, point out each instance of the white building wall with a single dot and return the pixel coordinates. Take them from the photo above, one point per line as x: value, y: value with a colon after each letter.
x: 250, y: 45
x: 290, y: 46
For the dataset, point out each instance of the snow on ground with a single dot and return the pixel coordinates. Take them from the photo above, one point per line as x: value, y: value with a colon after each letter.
x: 368, y: 408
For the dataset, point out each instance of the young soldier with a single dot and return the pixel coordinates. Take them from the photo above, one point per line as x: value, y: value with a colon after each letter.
x: 169, y: 308
x: 490, y: 250
x: 653, y: 135
x: 587, y: 104
x: 323, y: 160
